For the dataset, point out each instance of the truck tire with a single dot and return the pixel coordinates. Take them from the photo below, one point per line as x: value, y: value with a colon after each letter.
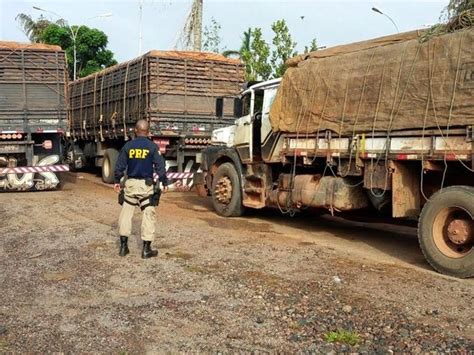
x: 226, y: 191
x: 108, y: 165
x: 446, y: 231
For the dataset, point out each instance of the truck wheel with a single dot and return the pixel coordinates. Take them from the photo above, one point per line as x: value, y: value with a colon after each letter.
x: 226, y: 191
x: 108, y: 165
x: 446, y: 231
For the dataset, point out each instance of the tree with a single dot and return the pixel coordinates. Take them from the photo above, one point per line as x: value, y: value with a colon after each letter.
x: 34, y: 28
x: 212, y: 38
x: 244, y: 47
x: 255, y: 52
x: 91, y: 43
x: 456, y: 7
x: 246, y: 40
x: 284, y: 47
x: 313, y: 46
x: 231, y: 53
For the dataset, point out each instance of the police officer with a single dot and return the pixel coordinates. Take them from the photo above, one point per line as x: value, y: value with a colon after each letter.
x: 140, y: 158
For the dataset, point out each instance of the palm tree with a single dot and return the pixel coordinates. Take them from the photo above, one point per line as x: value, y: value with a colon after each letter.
x: 246, y: 40
x: 245, y: 47
x: 231, y: 53
x: 33, y: 29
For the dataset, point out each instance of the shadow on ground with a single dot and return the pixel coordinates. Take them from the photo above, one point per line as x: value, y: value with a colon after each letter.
x: 397, y: 241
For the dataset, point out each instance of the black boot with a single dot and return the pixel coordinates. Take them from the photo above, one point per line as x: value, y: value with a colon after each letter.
x: 123, y: 246
x: 147, y: 251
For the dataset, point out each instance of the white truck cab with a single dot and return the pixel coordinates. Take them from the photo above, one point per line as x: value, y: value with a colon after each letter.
x: 253, y: 105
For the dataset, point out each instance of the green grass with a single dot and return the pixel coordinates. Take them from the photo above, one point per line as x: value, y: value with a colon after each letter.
x: 342, y: 336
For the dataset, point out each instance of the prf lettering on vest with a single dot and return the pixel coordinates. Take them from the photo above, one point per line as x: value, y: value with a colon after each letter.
x: 138, y: 153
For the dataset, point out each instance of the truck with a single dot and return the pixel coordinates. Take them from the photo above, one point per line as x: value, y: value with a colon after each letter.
x: 33, y: 116
x: 375, y: 128
x: 174, y: 90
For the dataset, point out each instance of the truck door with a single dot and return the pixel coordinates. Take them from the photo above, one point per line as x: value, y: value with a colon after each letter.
x: 266, y: 128
x: 243, y: 129
x: 247, y: 131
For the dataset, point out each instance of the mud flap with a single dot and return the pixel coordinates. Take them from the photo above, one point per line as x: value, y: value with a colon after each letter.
x: 405, y: 189
x: 199, y: 182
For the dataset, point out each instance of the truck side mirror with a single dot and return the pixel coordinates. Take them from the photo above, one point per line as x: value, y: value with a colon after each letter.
x: 237, y: 107
x: 220, y: 107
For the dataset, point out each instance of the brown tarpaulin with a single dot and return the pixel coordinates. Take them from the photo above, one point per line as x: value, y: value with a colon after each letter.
x: 385, y: 84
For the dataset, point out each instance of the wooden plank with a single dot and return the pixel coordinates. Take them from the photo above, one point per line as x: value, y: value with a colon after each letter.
x: 154, y: 85
x: 32, y: 84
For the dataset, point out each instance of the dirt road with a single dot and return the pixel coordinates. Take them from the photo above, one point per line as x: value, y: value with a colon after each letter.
x: 266, y: 282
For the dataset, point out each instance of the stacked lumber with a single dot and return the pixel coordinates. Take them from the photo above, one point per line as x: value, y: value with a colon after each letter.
x: 160, y: 85
x: 32, y: 84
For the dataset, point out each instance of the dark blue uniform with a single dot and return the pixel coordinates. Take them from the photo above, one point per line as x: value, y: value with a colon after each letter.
x: 141, y: 158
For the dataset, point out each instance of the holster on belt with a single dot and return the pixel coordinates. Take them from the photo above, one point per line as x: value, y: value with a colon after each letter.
x: 121, y: 197
x: 155, y: 198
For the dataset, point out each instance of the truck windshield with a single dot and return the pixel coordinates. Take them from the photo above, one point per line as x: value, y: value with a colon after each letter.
x: 267, y: 102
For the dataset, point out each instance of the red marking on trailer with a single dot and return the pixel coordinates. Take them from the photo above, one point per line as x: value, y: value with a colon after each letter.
x: 47, y: 144
x: 162, y: 144
x: 452, y: 156
x: 407, y: 156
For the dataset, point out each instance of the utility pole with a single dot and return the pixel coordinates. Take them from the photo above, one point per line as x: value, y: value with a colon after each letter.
x: 140, y: 31
x: 190, y: 37
x: 197, y: 14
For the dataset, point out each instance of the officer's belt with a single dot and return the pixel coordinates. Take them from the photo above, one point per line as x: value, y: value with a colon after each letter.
x: 139, y: 202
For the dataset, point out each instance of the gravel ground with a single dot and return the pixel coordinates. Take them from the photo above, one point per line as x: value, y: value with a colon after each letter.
x: 264, y: 283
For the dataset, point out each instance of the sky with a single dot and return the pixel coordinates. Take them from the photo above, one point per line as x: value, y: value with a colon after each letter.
x: 331, y: 22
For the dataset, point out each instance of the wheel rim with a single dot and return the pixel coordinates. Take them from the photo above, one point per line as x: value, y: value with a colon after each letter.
x: 453, y: 230
x: 106, y: 165
x: 223, y: 190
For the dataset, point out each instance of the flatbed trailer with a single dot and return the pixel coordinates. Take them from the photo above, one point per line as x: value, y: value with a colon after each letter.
x: 174, y: 90
x: 33, y: 115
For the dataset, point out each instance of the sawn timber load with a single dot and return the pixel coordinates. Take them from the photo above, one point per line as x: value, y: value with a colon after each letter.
x: 175, y: 91
x: 33, y: 115
x: 391, y: 83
